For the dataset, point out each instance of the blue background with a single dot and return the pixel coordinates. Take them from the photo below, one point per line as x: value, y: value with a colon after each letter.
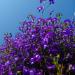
x: 12, y: 12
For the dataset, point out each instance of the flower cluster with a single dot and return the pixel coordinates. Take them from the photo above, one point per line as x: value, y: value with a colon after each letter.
x: 45, y: 46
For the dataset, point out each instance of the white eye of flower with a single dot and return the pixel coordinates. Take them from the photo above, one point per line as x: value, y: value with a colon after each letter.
x: 32, y: 62
x: 7, y: 63
x: 16, y: 58
x: 45, y: 46
x: 73, y: 68
x: 37, y: 56
x: 33, y: 36
x: 45, y: 39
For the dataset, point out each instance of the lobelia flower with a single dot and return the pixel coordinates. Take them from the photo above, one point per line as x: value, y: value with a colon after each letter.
x: 37, y: 57
x: 41, y: 1
x: 32, y: 72
x: 25, y: 71
x: 40, y: 8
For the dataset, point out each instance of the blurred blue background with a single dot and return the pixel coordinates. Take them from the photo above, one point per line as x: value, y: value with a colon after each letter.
x: 12, y: 12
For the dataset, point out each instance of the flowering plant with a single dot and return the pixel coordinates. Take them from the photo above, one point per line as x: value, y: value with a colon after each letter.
x: 45, y: 46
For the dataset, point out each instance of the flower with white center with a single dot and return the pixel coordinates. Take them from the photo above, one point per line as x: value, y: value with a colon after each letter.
x: 16, y: 58
x: 45, y: 46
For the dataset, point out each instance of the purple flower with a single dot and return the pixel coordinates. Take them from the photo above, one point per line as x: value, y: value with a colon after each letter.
x: 67, y: 21
x: 37, y: 58
x: 40, y: 8
x: 51, y: 1
x: 32, y: 71
x: 42, y: 1
x: 51, y: 67
x: 25, y: 71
